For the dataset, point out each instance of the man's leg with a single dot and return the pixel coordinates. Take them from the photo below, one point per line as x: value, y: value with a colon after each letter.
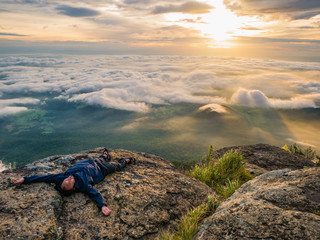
x: 120, y: 164
x: 110, y: 167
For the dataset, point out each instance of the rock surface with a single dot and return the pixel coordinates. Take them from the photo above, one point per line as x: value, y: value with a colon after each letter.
x: 262, y: 158
x: 280, y: 204
x: 145, y: 199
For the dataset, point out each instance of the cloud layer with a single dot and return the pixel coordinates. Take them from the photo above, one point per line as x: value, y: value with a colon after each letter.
x: 135, y: 83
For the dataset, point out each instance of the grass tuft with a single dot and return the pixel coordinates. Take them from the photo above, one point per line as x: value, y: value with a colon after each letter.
x: 229, y: 189
x: 224, y: 175
x: 188, y: 224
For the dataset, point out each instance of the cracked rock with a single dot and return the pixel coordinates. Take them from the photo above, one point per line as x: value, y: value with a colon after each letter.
x: 138, y: 197
x: 280, y: 204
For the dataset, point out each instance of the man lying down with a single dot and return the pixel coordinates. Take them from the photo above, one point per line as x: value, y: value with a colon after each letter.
x: 82, y: 176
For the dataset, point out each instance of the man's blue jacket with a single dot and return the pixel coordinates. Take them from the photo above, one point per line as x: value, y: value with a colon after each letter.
x: 86, y: 173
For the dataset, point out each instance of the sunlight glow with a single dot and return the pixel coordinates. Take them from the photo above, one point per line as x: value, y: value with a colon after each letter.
x: 221, y: 25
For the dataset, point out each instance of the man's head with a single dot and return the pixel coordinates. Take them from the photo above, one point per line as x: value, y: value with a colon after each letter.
x: 67, y: 186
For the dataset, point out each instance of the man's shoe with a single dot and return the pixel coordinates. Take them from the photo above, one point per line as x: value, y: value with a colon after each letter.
x: 106, y: 154
x: 132, y: 160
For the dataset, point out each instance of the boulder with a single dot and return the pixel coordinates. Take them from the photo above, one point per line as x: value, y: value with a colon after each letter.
x: 281, y: 204
x: 145, y: 198
x: 262, y: 158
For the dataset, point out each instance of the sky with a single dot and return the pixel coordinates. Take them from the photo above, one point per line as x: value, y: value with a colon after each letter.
x: 286, y: 29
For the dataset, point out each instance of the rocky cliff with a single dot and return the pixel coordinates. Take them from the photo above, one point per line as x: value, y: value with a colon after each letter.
x: 145, y: 199
x: 262, y: 158
x: 283, y: 202
x: 279, y: 204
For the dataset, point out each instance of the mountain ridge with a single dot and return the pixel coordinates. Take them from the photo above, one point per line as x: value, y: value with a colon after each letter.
x: 150, y: 197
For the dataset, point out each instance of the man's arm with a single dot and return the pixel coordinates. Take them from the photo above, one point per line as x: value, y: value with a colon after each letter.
x: 50, y: 178
x: 93, y: 193
x: 121, y: 164
x: 97, y: 197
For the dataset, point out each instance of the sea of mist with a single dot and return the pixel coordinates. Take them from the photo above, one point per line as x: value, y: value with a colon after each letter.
x: 172, y: 106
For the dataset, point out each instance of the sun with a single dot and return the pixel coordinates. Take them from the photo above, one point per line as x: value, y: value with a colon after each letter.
x: 220, y: 25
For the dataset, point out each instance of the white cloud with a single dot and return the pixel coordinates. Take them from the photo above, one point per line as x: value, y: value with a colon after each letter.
x: 6, y: 102
x: 137, y: 96
x: 31, y: 62
x: 314, y: 96
x: 256, y: 98
x: 308, y: 87
x: 111, y: 98
x: 4, y: 111
x: 251, y: 98
x: 7, y: 109
x: 292, y: 103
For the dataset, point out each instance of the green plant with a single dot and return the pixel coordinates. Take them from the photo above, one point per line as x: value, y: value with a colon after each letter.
x: 209, y: 156
x: 231, y: 166
x: 229, y: 188
x: 308, y: 152
x: 224, y: 175
x: 204, y: 173
x: 188, y: 224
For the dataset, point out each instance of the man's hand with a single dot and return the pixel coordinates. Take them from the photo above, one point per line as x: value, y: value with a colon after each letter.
x: 105, y: 210
x: 18, y: 181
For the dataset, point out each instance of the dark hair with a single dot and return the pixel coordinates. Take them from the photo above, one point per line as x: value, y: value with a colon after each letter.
x: 66, y: 192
